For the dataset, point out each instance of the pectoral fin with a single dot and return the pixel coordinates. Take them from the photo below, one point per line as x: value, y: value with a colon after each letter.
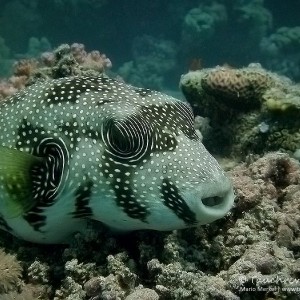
x: 27, y: 180
x: 16, y: 185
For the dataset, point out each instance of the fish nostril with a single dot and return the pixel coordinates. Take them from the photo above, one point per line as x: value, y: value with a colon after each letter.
x: 212, y: 201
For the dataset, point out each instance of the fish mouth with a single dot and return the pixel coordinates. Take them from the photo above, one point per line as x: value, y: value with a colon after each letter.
x: 218, y: 205
x: 212, y: 201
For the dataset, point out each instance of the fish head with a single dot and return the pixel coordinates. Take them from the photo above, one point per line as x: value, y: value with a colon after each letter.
x: 161, y: 173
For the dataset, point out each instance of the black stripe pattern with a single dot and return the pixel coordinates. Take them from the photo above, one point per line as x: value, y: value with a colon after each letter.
x: 130, y: 142
x: 173, y: 200
x: 82, y: 200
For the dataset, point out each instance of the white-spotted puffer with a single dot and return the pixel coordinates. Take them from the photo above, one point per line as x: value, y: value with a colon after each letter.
x: 82, y: 148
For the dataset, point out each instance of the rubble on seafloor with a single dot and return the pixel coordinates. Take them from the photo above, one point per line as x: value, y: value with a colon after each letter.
x: 253, y: 252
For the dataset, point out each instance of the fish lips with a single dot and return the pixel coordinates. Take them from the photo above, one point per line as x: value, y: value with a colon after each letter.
x: 210, y: 201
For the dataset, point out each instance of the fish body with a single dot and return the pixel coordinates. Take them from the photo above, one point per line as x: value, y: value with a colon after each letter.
x: 81, y: 148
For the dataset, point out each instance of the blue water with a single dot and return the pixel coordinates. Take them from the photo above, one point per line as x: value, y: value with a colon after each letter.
x: 162, y: 37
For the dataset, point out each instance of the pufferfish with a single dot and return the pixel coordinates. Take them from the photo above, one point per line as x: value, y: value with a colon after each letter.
x: 92, y: 148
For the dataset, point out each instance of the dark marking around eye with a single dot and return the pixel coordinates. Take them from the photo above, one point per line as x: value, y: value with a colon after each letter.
x: 173, y: 200
x: 128, y: 141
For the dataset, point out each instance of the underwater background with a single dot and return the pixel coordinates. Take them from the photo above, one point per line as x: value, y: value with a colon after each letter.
x: 237, y: 63
x: 157, y: 39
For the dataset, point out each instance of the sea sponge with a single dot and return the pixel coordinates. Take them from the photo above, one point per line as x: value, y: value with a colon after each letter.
x: 10, y: 272
x: 238, y: 88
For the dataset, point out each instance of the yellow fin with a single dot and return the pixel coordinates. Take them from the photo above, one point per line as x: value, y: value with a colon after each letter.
x: 15, y: 182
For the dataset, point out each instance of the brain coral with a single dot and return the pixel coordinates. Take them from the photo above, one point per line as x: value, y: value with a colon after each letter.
x: 240, y: 88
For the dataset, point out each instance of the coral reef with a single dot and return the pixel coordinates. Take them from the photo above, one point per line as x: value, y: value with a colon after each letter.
x: 249, y: 109
x: 237, y: 32
x: 8, y: 88
x: 253, y: 18
x: 15, y: 286
x: 65, y: 60
x: 69, y: 60
x: 240, y: 88
x: 201, y: 23
x: 152, y: 60
x: 143, y: 293
x: 35, y: 48
x: 281, y: 51
x: 210, y: 30
x: 253, y: 253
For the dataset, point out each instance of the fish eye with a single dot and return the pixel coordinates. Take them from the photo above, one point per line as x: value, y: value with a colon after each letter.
x: 127, y: 139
